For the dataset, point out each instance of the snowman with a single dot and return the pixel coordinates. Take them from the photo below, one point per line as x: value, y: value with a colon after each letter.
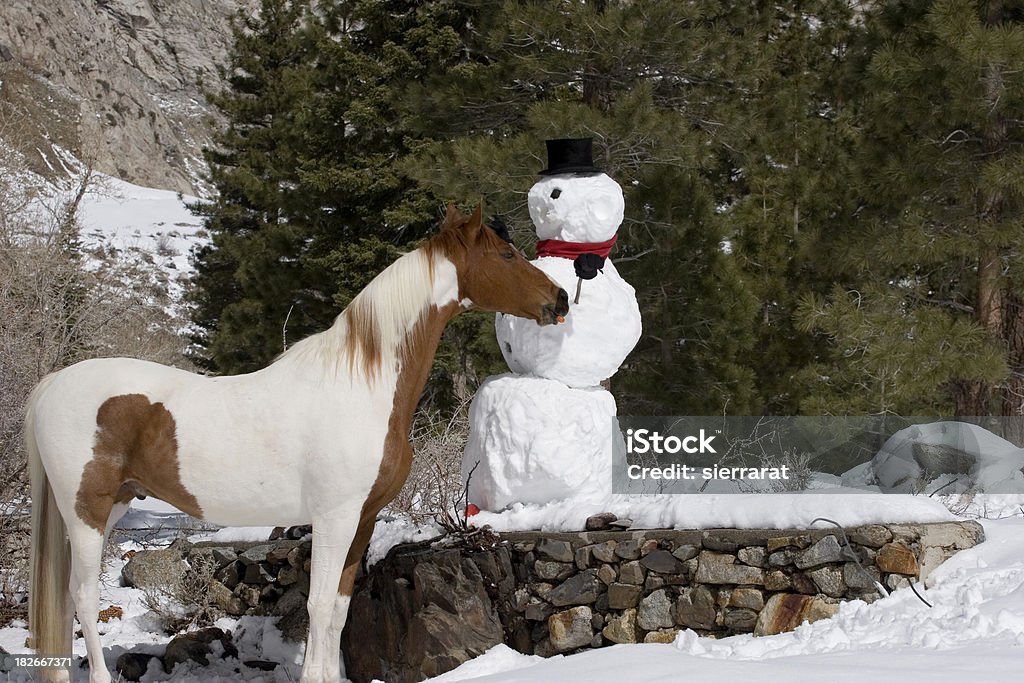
x: 544, y: 432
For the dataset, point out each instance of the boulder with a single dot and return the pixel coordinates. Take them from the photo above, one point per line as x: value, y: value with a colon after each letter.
x: 621, y: 628
x: 896, y: 558
x: 570, y: 629
x: 552, y: 571
x: 580, y: 589
x: 628, y: 550
x: 623, y: 595
x: 666, y: 636
x: 785, y: 611
x: 685, y: 552
x: 223, y: 599
x: 871, y: 535
x: 660, y: 561
x: 753, y: 556
x: 695, y: 608
x: 197, y: 646
x: 719, y: 568
x: 156, y: 569
x: 424, y: 611
x: 559, y: 551
x: 230, y: 574
x: 133, y: 665
x: 823, y: 552
x: 739, y: 619
x: 256, y: 554
x: 750, y: 598
x: 777, y: 580
x: 605, y: 552
x: 631, y: 572
x: 829, y: 581
x: 655, y: 612
x: 856, y: 577
x: 600, y: 521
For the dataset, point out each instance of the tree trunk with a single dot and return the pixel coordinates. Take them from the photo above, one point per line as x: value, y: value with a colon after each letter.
x: 973, y: 397
x: 1012, y: 392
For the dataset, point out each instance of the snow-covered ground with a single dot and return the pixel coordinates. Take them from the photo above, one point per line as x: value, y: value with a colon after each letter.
x: 975, y: 631
x: 133, y: 217
x: 150, y: 232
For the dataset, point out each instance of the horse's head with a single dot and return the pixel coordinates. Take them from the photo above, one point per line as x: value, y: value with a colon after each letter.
x: 494, y: 276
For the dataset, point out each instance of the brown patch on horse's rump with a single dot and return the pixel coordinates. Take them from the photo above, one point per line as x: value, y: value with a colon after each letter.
x: 135, y: 453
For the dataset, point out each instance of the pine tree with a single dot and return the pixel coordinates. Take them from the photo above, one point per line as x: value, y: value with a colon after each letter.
x: 645, y: 80
x: 785, y: 158
x: 936, y: 234
x: 313, y: 198
x: 249, y: 281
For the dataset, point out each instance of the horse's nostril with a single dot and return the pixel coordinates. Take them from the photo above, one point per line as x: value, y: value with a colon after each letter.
x: 562, y: 307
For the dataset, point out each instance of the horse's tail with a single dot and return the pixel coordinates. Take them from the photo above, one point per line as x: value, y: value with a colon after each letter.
x: 50, y: 617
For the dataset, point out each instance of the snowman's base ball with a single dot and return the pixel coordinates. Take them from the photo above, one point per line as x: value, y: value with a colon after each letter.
x: 588, y: 348
x: 538, y: 441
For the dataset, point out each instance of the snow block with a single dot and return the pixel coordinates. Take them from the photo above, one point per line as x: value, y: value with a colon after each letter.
x: 538, y: 441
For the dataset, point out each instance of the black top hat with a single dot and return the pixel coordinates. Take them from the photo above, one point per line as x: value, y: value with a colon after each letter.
x: 570, y: 155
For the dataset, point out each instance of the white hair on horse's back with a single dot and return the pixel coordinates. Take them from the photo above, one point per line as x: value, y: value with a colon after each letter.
x: 374, y: 325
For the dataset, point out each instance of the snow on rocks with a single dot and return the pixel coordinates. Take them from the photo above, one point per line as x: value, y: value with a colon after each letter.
x: 953, y: 457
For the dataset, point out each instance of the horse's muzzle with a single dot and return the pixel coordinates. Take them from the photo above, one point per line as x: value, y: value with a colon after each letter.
x: 552, y: 314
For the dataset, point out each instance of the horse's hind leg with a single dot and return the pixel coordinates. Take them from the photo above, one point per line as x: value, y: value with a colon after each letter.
x: 86, y: 558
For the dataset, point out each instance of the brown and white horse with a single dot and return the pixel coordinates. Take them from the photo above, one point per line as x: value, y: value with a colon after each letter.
x: 319, y: 436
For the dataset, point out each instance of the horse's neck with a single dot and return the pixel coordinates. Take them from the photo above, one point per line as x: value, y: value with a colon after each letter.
x: 418, y: 358
x: 393, y: 325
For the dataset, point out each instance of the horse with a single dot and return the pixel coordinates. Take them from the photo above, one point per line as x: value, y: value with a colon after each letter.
x: 319, y: 436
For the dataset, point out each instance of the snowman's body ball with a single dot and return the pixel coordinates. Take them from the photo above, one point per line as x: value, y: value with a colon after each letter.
x: 536, y: 440
x: 597, y: 335
x: 576, y: 208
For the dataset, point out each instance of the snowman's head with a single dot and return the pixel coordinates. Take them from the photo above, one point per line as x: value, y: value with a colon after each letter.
x: 576, y: 208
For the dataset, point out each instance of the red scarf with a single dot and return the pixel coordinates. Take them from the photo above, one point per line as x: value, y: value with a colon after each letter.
x: 571, y: 250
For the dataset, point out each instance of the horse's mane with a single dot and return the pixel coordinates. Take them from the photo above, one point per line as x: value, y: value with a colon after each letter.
x: 378, y: 320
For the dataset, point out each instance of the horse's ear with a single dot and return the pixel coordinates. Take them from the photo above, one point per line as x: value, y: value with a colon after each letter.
x: 476, y: 221
x: 452, y: 215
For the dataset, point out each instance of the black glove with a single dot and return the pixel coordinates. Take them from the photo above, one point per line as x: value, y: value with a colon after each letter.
x: 588, y: 265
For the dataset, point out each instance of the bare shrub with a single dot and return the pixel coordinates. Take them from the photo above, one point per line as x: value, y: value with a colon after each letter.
x: 434, y: 489
x: 59, y: 303
x: 182, y: 600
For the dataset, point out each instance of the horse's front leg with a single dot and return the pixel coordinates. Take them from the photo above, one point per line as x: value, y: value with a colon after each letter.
x: 332, y: 538
x: 348, y: 576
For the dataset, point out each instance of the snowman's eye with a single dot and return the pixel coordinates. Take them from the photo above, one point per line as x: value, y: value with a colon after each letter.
x: 556, y: 193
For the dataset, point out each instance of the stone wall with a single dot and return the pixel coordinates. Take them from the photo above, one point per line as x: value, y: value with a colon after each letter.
x: 427, y: 608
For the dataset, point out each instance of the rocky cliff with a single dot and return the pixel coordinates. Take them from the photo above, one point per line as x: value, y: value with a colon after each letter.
x: 115, y: 82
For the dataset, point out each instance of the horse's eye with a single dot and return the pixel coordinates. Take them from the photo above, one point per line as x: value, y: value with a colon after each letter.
x: 508, y: 255
x: 556, y: 193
